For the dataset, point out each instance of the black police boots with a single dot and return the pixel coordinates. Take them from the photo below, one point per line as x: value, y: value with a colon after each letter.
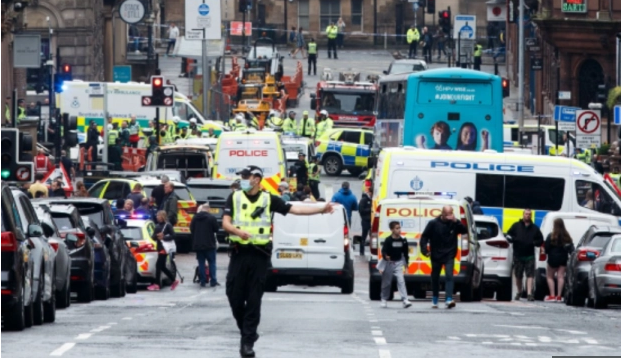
x: 247, y: 351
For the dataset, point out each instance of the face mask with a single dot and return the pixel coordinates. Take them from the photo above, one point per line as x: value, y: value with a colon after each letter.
x: 245, y: 185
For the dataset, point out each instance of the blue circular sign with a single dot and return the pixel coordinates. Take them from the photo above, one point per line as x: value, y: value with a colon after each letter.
x: 203, y: 9
x: 467, y: 29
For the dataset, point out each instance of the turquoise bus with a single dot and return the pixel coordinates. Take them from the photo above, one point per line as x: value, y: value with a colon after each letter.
x: 447, y: 109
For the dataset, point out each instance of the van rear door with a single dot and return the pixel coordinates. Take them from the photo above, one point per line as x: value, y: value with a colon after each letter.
x: 237, y: 153
x: 326, y: 240
x: 290, y: 241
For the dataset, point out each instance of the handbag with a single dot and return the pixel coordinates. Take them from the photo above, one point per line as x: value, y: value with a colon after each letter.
x: 169, y: 246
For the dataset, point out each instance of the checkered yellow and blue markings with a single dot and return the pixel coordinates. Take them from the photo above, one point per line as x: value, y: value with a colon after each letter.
x: 507, y: 217
x: 352, y: 154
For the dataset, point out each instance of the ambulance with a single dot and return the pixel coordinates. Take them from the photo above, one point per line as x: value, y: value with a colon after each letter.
x: 503, y: 183
x: 414, y: 210
x: 237, y: 150
x: 85, y: 100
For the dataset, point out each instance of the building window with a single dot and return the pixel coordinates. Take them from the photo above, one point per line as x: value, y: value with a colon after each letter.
x: 303, y: 14
x: 356, y: 13
x: 329, y: 12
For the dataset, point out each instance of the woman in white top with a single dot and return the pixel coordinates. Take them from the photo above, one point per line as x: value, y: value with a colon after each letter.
x: 341, y: 27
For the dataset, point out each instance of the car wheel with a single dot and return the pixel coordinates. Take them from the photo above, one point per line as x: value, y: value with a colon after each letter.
x: 478, y: 294
x: 375, y: 290
x: 38, y: 305
x: 466, y: 293
x: 332, y: 165
x: 103, y: 293
x: 63, y: 297
x: 15, y: 319
x: 504, y: 293
x: 270, y: 286
x: 577, y: 299
x: 28, y: 312
x: 348, y: 287
x: 85, y: 293
x: 50, y: 307
x: 356, y: 172
x: 132, y: 288
x: 117, y: 285
x: 600, y: 302
x: 122, y: 288
x: 420, y: 294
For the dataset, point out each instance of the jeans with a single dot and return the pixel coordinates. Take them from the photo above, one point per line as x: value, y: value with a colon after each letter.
x: 209, y: 256
x: 426, y: 53
x: 312, y: 61
x: 171, y: 43
x: 161, y: 261
x: 436, y: 269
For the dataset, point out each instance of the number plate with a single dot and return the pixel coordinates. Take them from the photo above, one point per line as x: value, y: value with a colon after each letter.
x: 304, y: 242
x: 214, y: 211
x: 290, y: 255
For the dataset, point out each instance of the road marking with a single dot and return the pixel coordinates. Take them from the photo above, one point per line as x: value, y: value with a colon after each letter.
x: 127, y: 318
x: 373, y: 321
x: 100, y: 329
x: 380, y: 341
x: 377, y: 333
x: 454, y: 338
x: 531, y: 344
x: 519, y: 327
x: 590, y: 341
x: 487, y: 342
x: 84, y: 336
x: 384, y: 354
x: 544, y: 339
x: 112, y: 323
x: 64, y: 348
x: 571, y: 332
x: 375, y: 327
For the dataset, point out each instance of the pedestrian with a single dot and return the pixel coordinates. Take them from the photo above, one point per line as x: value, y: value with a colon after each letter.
x: 68, y: 165
x: 413, y: 37
x: 115, y: 155
x: 299, y: 192
x: 428, y: 43
x: 312, y: 51
x: 284, y: 190
x: 92, y: 141
x: 558, y: 246
x: 170, y: 203
x: 81, y: 191
x: 158, y: 193
x: 314, y: 177
x: 38, y: 186
x: 247, y: 220
x: 152, y: 146
x: 440, y: 39
x: 395, y: 258
x: 136, y: 195
x: 307, y: 196
x: 21, y: 111
x: 301, y: 170
x: 56, y: 190
x: 125, y: 135
x: 500, y: 51
x: 173, y: 34
x: 133, y: 131
x: 289, y: 124
x: 475, y: 206
x: 204, y: 228
x: 525, y: 237
x: 169, y: 83
x: 348, y: 200
x: 164, y: 232
x: 7, y: 111
x: 331, y: 32
x: 439, y: 243
x: 129, y: 206
x: 292, y: 42
x: 300, y: 43
x: 478, y: 52
x: 120, y: 210
x: 307, y: 126
x: 211, y: 133
x: 133, y: 35
x: 365, y: 212
x: 144, y: 208
x: 43, y: 164
x: 341, y: 26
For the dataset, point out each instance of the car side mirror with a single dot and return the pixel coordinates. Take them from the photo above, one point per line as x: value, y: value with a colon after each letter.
x: 385, y: 72
x: 71, y: 238
x: 363, y: 176
x: 35, y: 230
x: 91, y: 232
x: 48, y: 231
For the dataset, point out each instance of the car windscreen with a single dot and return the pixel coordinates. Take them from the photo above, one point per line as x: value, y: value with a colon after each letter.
x: 210, y: 192
x: 63, y: 222
x: 132, y: 233
x: 94, y: 212
x: 182, y: 193
x: 487, y: 230
x: 600, y: 240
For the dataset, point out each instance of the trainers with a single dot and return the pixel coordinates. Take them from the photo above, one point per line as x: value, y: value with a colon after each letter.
x: 450, y: 304
x: 435, y: 303
x: 174, y: 284
x: 406, y: 304
x: 559, y: 299
x: 517, y: 297
x: 435, y: 306
x: 216, y: 284
x: 154, y: 287
x: 550, y: 299
x: 530, y: 298
x: 384, y: 304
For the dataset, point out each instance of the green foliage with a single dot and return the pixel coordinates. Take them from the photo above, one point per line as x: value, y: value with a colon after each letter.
x: 604, y: 149
x: 613, y: 97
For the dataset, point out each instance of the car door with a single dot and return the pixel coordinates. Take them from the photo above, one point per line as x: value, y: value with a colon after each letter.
x: 290, y: 240
x: 363, y: 149
x: 98, y: 189
x: 350, y: 141
x: 325, y: 238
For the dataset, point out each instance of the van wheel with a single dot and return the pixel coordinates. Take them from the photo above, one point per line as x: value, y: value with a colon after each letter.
x: 466, y: 293
x: 103, y: 293
x: 271, y: 287
x: 599, y: 301
x: 63, y: 297
x: 478, y: 294
x: 577, y: 299
x: 356, y: 172
x: 38, y: 305
x: 375, y: 290
x: 132, y: 288
x: 333, y: 165
x: 348, y: 287
x: 504, y: 293
x: 85, y: 293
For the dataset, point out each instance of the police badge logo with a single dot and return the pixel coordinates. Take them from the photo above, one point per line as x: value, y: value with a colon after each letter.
x: 416, y: 183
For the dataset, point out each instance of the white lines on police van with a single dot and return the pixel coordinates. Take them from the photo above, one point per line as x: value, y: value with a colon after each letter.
x: 84, y: 336
x: 64, y: 348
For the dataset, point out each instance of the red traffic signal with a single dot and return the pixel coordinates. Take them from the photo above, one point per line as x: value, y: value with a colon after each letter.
x: 505, y: 86
x: 157, y: 81
x: 446, y: 14
x: 66, y: 68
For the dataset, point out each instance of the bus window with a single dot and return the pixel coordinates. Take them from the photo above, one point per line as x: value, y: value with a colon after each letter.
x: 535, y: 193
x: 593, y: 196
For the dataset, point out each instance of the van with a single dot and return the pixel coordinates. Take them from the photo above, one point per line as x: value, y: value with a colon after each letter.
x: 237, y: 150
x: 312, y: 250
x: 542, y: 136
x: 576, y: 224
x: 414, y: 213
x: 193, y: 161
x: 505, y: 184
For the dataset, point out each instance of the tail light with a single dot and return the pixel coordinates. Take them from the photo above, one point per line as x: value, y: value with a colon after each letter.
x: 9, y: 243
x: 501, y: 244
x: 374, y: 232
x: 347, y: 240
x: 612, y: 267
x: 143, y: 248
x: 55, y: 246
x: 465, y: 245
x: 587, y: 254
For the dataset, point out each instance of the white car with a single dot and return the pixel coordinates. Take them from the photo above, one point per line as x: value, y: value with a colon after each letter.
x: 312, y: 250
x: 497, y: 258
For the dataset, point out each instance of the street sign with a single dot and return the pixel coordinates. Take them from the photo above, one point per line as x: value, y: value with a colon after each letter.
x: 203, y: 20
x: 167, y: 101
x: 564, y: 115
x: 617, y: 115
x: 146, y: 100
x: 496, y: 12
x: 132, y: 11
x: 536, y: 64
x: 416, y: 6
x: 563, y: 95
x: 236, y: 28
x: 465, y: 26
x: 588, y: 128
x: 122, y: 74
x: 23, y: 173
x: 26, y: 51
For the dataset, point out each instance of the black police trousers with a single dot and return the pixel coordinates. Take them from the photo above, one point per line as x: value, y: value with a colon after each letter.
x: 245, y: 282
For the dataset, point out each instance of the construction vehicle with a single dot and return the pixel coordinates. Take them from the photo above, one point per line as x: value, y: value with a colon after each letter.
x: 348, y: 101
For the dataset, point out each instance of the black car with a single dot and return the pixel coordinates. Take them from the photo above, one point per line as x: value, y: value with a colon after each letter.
x: 213, y: 192
x: 102, y: 264
x: 99, y: 210
x: 17, y: 267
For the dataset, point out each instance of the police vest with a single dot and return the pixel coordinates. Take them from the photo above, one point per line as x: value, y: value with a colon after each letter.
x: 307, y: 127
x: 320, y: 129
x: 312, y: 174
x: 232, y: 123
x: 113, y: 135
x: 288, y: 125
x: 258, y: 228
x: 239, y: 127
x: 413, y: 35
x: 133, y: 129
x: 585, y: 156
x: 172, y: 130
x: 7, y: 113
x: 277, y: 122
x: 331, y: 32
x: 312, y: 48
x: 478, y: 51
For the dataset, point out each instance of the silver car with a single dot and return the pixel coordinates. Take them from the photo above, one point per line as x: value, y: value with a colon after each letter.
x: 604, y: 277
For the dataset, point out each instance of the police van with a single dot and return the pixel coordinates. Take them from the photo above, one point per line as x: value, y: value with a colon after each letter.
x: 237, y: 150
x: 504, y: 184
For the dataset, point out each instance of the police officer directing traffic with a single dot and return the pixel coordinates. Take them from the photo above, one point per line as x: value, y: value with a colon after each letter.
x: 247, y: 220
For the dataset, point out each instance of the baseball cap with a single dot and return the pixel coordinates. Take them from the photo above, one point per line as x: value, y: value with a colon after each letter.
x: 251, y: 170
x: 305, y: 113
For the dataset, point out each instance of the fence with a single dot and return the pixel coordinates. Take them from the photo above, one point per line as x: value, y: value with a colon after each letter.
x: 219, y: 105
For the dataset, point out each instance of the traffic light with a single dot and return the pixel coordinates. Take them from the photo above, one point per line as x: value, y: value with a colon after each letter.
x: 601, y: 95
x: 445, y: 21
x: 69, y: 130
x: 9, y: 145
x: 243, y: 5
x: 430, y: 6
x: 13, y: 169
x: 162, y: 95
x: 66, y: 69
x: 64, y: 75
x: 505, y: 85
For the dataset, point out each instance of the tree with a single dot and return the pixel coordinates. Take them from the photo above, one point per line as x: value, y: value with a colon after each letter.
x: 613, y: 97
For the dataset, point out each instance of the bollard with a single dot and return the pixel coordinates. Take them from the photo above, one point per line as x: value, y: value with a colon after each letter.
x: 496, y: 69
x: 385, y: 40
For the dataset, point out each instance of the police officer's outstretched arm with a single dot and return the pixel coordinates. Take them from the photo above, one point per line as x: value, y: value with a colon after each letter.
x: 305, y: 210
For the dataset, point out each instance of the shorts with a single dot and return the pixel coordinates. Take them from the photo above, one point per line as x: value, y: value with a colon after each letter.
x: 526, y: 267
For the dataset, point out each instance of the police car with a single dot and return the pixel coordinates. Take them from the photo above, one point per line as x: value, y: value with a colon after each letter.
x: 344, y: 148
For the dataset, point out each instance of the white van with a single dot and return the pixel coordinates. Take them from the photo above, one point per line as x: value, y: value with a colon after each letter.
x: 538, y: 136
x: 505, y: 184
x: 312, y: 250
x: 413, y: 212
x: 576, y: 224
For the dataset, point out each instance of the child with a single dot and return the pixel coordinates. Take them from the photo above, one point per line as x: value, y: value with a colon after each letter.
x: 395, y: 254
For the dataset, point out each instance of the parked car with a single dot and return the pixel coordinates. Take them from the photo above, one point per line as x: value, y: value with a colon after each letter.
x: 102, y: 263
x: 497, y: 258
x: 17, y: 267
x: 63, y: 260
x: 44, y: 290
x: 213, y: 192
x: 604, y: 279
x: 579, y: 264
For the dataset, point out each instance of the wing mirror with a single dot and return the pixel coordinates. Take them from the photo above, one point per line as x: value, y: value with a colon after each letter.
x: 71, y: 238
x: 385, y: 72
x: 363, y: 176
x: 35, y: 230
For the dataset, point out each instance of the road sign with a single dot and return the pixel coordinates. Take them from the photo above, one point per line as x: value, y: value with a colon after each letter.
x: 167, y: 101
x: 132, y: 11
x: 416, y: 6
x: 203, y: 20
x: 122, y: 74
x: 466, y: 26
x: 588, y: 128
x: 566, y: 116
x: 26, y: 51
x: 23, y: 173
x: 146, y: 100
x: 563, y: 95
x: 617, y: 115
x: 536, y: 64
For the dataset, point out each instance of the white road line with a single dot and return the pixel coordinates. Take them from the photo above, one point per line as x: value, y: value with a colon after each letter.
x: 532, y: 344
x: 375, y: 327
x: 127, y: 318
x: 64, y: 348
x: 545, y: 339
x: 590, y: 341
x: 454, y: 338
x: 571, y: 332
x: 100, y: 329
x: 112, y: 323
x: 374, y: 321
x: 380, y: 341
x: 377, y: 333
x: 384, y: 354
x: 520, y: 327
x: 84, y: 335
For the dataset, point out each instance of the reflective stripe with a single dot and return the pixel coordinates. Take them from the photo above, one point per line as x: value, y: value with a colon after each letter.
x: 242, y: 218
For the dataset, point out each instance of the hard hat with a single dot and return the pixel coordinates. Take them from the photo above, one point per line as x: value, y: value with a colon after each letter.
x: 176, y: 119
x: 273, y: 113
x: 193, y: 120
x: 239, y: 116
x: 324, y: 112
x: 110, y: 126
x: 305, y: 113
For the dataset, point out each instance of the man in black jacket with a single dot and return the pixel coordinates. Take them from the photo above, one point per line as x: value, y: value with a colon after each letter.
x: 171, y: 203
x: 365, y: 211
x: 525, y: 236
x: 439, y: 242
x: 204, y: 227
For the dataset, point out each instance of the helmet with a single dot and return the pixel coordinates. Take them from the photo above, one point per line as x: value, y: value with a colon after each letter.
x: 292, y: 113
x: 324, y: 112
x: 110, y: 126
x: 239, y: 117
x: 273, y: 113
x: 176, y: 119
x: 193, y: 120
